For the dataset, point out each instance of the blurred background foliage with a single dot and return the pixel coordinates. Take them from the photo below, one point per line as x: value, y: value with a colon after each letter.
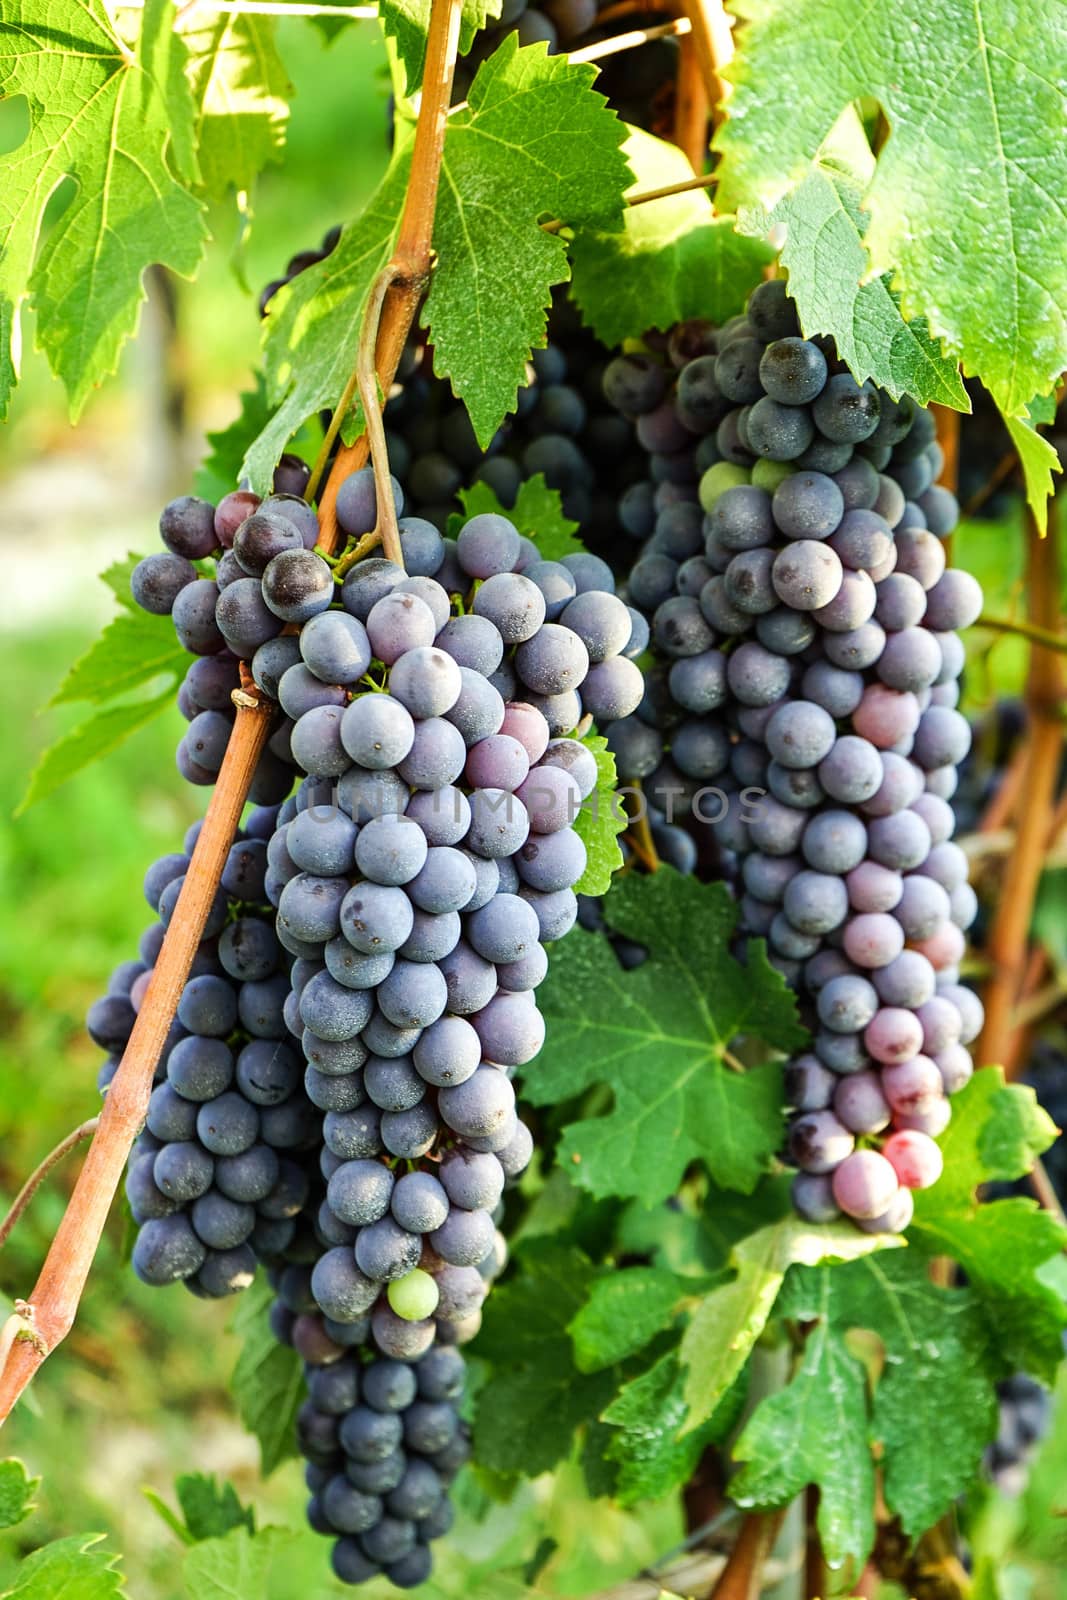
x: 139, y: 1392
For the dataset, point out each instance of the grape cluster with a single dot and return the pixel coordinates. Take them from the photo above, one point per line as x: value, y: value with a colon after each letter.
x: 804, y: 626
x: 219, y: 1174
x: 424, y: 861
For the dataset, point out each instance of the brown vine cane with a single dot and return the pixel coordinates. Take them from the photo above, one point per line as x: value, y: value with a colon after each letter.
x: 47, y: 1317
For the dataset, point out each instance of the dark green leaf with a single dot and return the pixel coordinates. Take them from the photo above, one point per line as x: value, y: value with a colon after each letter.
x: 537, y: 513
x: 220, y: 471
x: 624, y: 1311
x: 211, y: 1508
x: 527, y: 1412
x: 657, y: 1036
x: 268, y: 1383
x: 534, y: 141
x: 650, y: 1412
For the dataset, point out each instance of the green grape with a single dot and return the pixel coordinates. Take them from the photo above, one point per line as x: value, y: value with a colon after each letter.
x: 414, y: 1296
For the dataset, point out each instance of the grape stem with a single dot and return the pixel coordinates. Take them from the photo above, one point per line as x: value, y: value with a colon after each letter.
x: 410, y: 263
x: 367, y: 383
x: 704, y: 180
x: 1002, y: 1041
x: 84, y: 1131
x: 741, y: 1576
x: 1041, y: 1184
x: 51, y: 1309
x: 1048, y: 638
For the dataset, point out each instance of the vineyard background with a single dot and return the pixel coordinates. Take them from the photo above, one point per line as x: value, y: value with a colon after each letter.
x: 141, y: 1390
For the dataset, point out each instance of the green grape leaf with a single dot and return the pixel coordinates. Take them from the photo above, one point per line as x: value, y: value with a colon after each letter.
x: 528, y: 1410
x: 973, y: 243
x: 69, y: 1569
x: 234, y: 1567
x: 311, y: 331
x: 933, y: 1411
x: 729, y: 1320
x: 600, y: 821
x: 268, y: 1383
x: 210, y: 1509
x: 1006, y: 1246
x: 17, y: 1489
x: 649, y: 1412
x: 537, y: 513
x: 624, y: 1311
x: 119, y: 124
x: 220, y: 470
x: 406, y: 22
x: 1039, y: 460
x: 657, y: 1037
x: 674, y: 258
x: 103, y: 732
x: 824, y: 254
x: 241, y: 96
x: 134, y: 649
x: 535, y: 140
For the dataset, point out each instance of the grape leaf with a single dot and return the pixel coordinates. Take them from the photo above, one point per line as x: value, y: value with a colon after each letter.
x: 117, y: 577
x: 528, y: 1410
x: 88, y: 742
x: 534, y: 141
x: 268, y: 1383
x: 934, y: 1407
x: 600, y: 821
x: 966, y: 202
x: 537, y: 513
x: 220, y: 470
x: 134, y: 649
x: 624, y: 1311
x: 233, y: 1567
x: 16, y: 1492
x: 241, y: 94
x: 649, y: 1412
x: 657, y: 1036
x: 406, y: 22
x: 995, y: 1133
x: 209, y: 1509
x: 674, y: 258
x: 1039, y: 460
x: 824, y: 254
x: 119, y: 124
x: 312, y: 329
x: 729, y: 1320
x: 69, y: 1569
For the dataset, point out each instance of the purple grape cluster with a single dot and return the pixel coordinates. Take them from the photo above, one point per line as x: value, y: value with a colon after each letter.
x: 426, y: 858
x: 219, y: 1174
x: 804, y: 629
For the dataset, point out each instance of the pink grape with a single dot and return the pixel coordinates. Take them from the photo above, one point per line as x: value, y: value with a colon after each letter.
x: 873, y: 939
x: 893, y: 1035
x: 885, y: 716
x: 933, y: 1121
x: 872, y: 887
x: 944, y: 948
x: 526, y: 724
x: 864, y: 1184
x: 915, y: 1158
x: 912, y: 1087
x: 895, y: 1219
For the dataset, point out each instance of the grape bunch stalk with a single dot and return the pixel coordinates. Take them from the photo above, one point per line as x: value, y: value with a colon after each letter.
x: 425, y: 860
x: 804, y: 631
